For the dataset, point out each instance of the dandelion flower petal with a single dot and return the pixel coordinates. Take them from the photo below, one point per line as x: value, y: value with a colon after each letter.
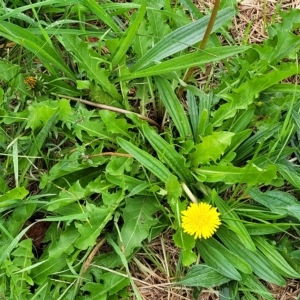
x: 200, y: 220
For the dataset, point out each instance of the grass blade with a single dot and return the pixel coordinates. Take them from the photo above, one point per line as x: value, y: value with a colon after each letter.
x: 187, y: 61
x: 182, y: 38
x: 37, y: 46
x: 168, y: 155
x: 174, y: 108
x: 147, y: 160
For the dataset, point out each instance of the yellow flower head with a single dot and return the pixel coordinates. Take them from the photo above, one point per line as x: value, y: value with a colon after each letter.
x: 200, y: 220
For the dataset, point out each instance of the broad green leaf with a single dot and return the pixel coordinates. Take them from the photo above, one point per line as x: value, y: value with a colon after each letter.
x: 40, y: 113
x: 8, y: 71
x: 258, y: 262
x: 185, y: 61
x: 65, y: 242
x: 138, y: 221
x: 181, y: 239
x: 37, y: 46
x: 13, y: 197
x: 215, y: 259
x: 230, y: 217
x: 181, y: 38
x: 117, y: 165
x: 114, y: 124
x: 212, y: 148
x: 245, y: 94
x: 274, y: 257
x: 97, y: 9
x: 277, y: 201
x: 89, y: 61
x: 236, y: 260
x: 186, y: 243
x: 75, y: 193
x: 203, y: 276
x: 250, y: 174
x: 91, y: 229
x: 51, y: 265
x: 168, y: 154
x: 111, y: 283
x: 174, y: 107
x: 147, y: 160
x: 287, y: 42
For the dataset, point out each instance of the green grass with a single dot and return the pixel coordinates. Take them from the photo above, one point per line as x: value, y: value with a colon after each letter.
x: 99, y: 154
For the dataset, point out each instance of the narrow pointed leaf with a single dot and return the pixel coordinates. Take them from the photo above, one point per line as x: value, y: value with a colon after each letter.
x: 182, y: 38
x: 174, y: 107
x: 147, y: 160
x: 233, y: 221
x: 168, y: 154
x: 274, y: 257
x: 96, y: 9
x: 214, y: 258
x: 257, y: 260
x: 203, y: 276
x: 129, y: 35
x: 37, y: 46
x: 198, y: 58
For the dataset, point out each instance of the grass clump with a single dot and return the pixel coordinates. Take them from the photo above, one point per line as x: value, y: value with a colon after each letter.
x: 106, y: 140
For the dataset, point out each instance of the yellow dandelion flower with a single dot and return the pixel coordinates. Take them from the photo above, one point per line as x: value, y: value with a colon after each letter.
x: 200, y: 220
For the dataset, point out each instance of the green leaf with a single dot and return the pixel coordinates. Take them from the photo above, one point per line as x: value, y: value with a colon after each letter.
x: 65, y: 242
x: 138, y: 221
x: 12, y: 197
x: 114, y: 124
x: 203, y: 276
x: 47, y: 267
x: 181, y: 38
x: 174, y: 107
x: 39, y: 140
x: 186, y: 61
x: 37, y: 46
x: 186, y: 243
x: 278, y: 202
x: 168, y: 154
x: 97, y: 9
x: 230, y: 217
x: 211, y: 148
x: 129, y: 35
x: 98, y: 218
x: 236, y: 260
x: 255, y: 286
x: 75, y: 193
x: 258, y: 262
x: 250, y: 174
x: 215, y: 259
x: 40, y: 113
x: 147, y: 160
x: 287, y: 42
x: 263, y: 229
x: 274, y: 257
x: 245, y: 94
x: 88, y: 61
x: 291, y: 176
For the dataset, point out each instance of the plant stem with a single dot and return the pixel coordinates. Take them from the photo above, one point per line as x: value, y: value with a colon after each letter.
x: 203, y: 43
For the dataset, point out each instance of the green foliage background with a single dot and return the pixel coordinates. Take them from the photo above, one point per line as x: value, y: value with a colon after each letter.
x: 122, y: 174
